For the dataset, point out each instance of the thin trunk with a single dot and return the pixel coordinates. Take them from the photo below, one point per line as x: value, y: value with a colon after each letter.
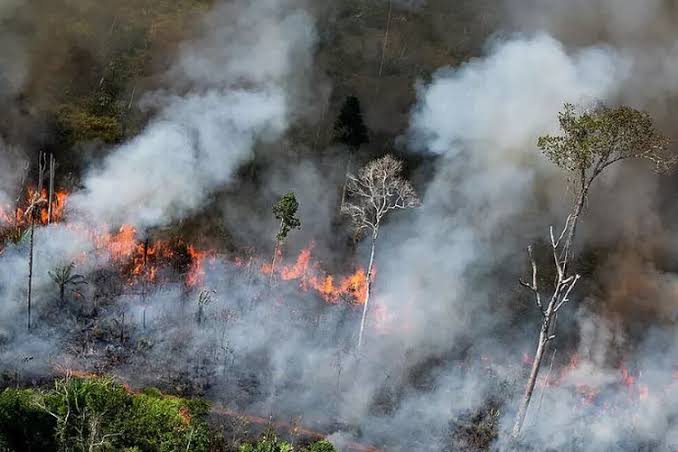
x: 35, y: 203
x: 144, y: 287
x: 543, y: 389
x: 534, y: 373
x: 52, y: 169
x: 565, y: 255
x: 62, y: 292
x: 275, y: 254
x: 368, y: 283
x: 383, y: 48
x: 348, y: 171
x: 550, y: 316
x: 30, y: 269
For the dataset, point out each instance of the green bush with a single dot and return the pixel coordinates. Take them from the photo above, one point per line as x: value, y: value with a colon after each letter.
x: 269, y: 442
x: 80, y: 412
x: 24, y: 426
x: 321, y: 446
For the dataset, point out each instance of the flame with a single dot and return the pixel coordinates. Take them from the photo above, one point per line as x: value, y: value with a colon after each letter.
x: 196, y: 272
x: 16, y: 217
x: 311, y: 277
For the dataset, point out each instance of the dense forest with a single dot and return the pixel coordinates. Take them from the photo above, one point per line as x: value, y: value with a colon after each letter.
x: 355, y: 225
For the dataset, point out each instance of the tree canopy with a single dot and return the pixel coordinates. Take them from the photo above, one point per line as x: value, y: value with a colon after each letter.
x: 593, y: 140
x: 285, y: 210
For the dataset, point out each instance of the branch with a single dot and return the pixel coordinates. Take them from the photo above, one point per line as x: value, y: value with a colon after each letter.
x: 534, y: 287
x: 567, y: 293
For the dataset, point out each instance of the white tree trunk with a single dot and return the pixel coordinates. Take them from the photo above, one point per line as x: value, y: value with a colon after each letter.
x: 368, y: 290
x: 534, y: 373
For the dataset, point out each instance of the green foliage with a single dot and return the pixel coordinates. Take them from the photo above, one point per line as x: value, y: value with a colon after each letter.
x: 592, y: 140
x: 81, y: 125
x: 349, y: 127
x: 321, y: 446
x: 100, y: 414
x: 269, y: 442
x: 285, y: 210
x: 24, y: 426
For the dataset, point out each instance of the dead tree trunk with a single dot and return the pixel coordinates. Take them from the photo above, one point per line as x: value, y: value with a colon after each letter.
x: 368, y: 288
x: 563, y: 286
x: 36, y: 202
x: 50, y: 199
x: 386, y: 32
x: 30, y: 270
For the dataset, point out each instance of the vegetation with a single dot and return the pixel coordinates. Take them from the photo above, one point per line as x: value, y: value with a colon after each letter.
x: 85, y: 414
x: 374, y: 193
x: 269, y: 442
x: 285, y: 210
x: 590, y: 143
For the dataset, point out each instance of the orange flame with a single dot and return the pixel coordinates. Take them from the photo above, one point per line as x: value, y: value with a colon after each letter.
x: 352, y: 288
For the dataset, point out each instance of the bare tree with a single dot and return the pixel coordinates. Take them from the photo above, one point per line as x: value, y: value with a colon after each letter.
x: 52, y: 170
x: 590, y: 142
x: 377, y: 190
x: 36, y: 203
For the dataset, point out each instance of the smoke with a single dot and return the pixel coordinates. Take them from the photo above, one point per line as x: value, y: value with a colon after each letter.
x: 239, y: 79
x: 447, y: 326
x: 12, y: 172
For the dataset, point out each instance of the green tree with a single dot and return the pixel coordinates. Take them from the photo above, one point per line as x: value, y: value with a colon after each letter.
x: 589, y: 142
x: 285, y: 210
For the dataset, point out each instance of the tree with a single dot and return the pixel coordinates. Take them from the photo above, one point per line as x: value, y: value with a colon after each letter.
x: 377, y: 190
x: 284, y: 210
x: 63, y: 277
x: 350, y: 130
x: 589, y: 143
x: 36, y: 202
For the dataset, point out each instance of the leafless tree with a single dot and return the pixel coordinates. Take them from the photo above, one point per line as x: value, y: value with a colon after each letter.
x: 377, y: 190
x: 36, y: 203
x: 590, y: 142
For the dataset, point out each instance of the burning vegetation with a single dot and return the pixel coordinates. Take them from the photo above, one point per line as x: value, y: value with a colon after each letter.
x: 310, y: 214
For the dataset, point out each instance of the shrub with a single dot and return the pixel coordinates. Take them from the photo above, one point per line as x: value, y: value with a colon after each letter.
x: 321, y: 446
x: 80, y: 412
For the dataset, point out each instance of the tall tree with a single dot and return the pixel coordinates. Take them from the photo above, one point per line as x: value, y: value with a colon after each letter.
x: 33, y: 210
x: 350, y: 130
x: 589, y: 143
x: 377, y: 190
x: 284, y: 210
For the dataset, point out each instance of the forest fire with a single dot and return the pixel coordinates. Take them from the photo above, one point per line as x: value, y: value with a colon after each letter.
x: 17, y: 218
x: 589, y: 393
x: 141, y: 259
x: 351, y: 288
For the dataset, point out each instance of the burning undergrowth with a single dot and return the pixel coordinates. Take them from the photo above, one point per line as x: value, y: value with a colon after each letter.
x: 272, y: 333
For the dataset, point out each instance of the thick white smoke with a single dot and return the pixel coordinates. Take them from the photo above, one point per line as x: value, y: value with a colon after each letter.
x: 239, y: 81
